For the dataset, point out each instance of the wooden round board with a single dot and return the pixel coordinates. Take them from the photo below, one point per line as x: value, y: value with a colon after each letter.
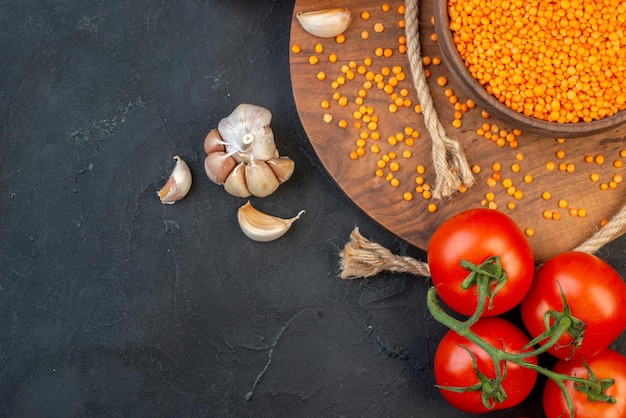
x: 558, y: 191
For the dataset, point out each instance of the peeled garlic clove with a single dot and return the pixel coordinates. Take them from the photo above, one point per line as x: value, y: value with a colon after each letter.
x: 213, y: 142
x: 177, y: 185
x: 282, y: 167
x: 218, y: 166
x: 262, y: 227
x: 235, y: 183
x: 247, y: 134
x: 260, y: 178
x: 326, y: 23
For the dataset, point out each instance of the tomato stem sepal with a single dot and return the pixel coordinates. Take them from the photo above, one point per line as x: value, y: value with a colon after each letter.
x: 557, y: 324
x: 595, y: 388
x: 492, y: 391
x: 489, y: 272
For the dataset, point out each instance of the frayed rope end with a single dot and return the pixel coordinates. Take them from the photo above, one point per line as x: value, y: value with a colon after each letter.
x: 363, y: 258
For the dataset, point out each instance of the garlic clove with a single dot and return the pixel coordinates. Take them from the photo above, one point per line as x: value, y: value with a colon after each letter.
x: 282, y: 167
x: 260, y: 178
x: 247, y: 134
x: 177, y: 185
x: 264, y: 147
x: 213, y: 142
x: 326, y: 23
x: 262, y: 227
x: 218, y: 166
x: 235, y: 183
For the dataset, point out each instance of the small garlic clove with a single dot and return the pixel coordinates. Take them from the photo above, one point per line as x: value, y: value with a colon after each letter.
x: 235, y: 183
x: 260, y: 178
x: 213, y: 142
x: 218, y: 165
x: 177, y: 185
x: 326, y: 23
x: 262, y: 227
x: 282, y: 167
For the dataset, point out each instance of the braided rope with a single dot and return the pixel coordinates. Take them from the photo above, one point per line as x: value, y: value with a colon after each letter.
x: 605, y: 234
x: 449, y: 160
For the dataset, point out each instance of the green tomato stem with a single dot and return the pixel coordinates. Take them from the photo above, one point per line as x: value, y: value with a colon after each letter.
x: 499, y: 356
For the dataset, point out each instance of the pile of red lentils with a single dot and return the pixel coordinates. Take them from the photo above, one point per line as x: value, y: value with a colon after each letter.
x: 560, y: 61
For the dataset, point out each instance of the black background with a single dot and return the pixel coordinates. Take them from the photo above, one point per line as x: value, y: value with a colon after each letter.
x: 112, y: 304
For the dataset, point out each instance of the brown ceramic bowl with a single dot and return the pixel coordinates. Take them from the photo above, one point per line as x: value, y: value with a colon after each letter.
x: 491, y: 105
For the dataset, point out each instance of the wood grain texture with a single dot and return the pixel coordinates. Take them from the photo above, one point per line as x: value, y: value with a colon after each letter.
x: 411, y: 220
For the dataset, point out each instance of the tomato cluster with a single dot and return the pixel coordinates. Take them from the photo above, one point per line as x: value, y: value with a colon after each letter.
x: 572, y: 307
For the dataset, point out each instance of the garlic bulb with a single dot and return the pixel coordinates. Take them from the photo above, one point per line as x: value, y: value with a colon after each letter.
x: 262, y: 227
x: 326, y: 23
x: 177, y: 185
x: 242, y: 155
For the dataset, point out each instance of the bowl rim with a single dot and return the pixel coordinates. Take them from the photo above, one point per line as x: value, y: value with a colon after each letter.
x: 457, y: 68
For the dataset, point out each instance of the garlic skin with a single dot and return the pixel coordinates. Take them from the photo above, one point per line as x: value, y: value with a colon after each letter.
x: 261, y: 227
x: 325, y: 23
x: 178, y: 185
x: 246, y: 133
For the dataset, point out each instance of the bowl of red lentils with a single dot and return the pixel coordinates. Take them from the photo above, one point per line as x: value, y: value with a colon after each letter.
x: 549, y: 67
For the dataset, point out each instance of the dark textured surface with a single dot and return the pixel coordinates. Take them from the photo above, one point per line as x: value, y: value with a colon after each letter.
x: 112, y: 304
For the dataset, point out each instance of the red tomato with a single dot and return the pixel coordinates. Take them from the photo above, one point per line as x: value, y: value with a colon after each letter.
x: 454, y: 368
x: 595, y: 293
x: 475, y: 235
x: 607, y: 364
